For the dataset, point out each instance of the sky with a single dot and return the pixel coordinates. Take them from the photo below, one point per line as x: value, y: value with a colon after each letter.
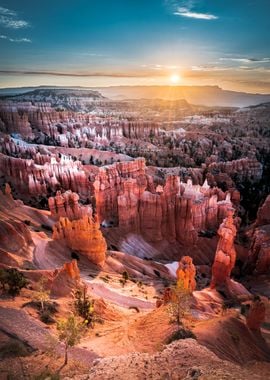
x: 136, y: 42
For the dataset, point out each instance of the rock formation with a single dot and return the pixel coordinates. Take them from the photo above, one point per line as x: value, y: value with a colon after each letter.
x: 244, y: 169
x: 256, y: 314
x: 175, y: 211
x: 225, y: 253
x: 83, y: 236
x: 186, y: 273
x: 259, y: 254
x: 67, y: 205
x: 263, y: 215
x: 65, y: 279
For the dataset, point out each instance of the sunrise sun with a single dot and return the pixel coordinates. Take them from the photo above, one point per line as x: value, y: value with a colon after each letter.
x: 175, y: 78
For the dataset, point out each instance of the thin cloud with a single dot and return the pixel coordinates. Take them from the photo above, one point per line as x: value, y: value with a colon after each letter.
x: 187, y: 8
x: 8, y: 12
x: 185, y: 12
x: 245, y: 60
x: 77, y: 74
x: 8, y: 19
x: 3, y: 37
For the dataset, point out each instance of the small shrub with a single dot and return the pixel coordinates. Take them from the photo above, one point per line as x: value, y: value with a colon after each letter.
x: 181, y: 334
x: 46, y: 317
x: 180, y: 302
x: 85, y: 307
x: 12, y: 281
x: 70, y: 332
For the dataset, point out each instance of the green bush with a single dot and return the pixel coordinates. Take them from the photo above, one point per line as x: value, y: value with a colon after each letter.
x: 12, y: 281
x: 181, y: 334
x: 84, y: 306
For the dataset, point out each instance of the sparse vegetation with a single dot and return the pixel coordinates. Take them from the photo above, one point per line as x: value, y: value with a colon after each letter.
x: 12, y: 281
x: 42, y: 294
x: 84, y: 307
x: 70, y: 332
x: 181, y: 333
x: 180, y: 303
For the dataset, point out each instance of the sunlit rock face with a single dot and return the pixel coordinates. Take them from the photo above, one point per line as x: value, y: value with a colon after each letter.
x: 65, y: 279
x: 109, y: 182
x: 67, y: 205
x: 31, y: 179
x: 175, y: 211
x: 186, y: 273
x: 225, y: 253
x: 256, y: 314
x: 84, y: 236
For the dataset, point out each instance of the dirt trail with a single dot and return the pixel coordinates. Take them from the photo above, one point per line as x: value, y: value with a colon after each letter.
x: 45, y: 258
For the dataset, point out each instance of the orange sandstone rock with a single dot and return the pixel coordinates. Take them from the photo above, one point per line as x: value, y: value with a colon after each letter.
x: 186, y: 273
x: 67, y: 205
x: 225, y: 253
x: 84, y: 236
x: 65, y: 279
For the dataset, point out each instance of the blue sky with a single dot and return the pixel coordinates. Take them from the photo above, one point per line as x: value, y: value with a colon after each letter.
x: 111, y: 42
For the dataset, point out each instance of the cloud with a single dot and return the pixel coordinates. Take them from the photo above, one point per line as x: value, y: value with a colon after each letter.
x: 245, y: 60
x: 3, y: 37
x: 5, y: 11
x: 185, y: 12
x: 77, y: 74
x: 187, y: 8
x: 94, y: 54
x: 8, y: 19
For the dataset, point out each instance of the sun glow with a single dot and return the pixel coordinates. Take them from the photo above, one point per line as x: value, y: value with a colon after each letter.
x: 175, y: 78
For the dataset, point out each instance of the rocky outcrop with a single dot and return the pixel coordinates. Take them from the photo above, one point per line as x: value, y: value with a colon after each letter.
x: 67, y: 205
x: 259, y: 254
x: 186, y: 273
x: 15, y: 242
x: 263, y: 215
x: 33, y: 180
x: 225, y: 253
x: 175, y: 211
x: 238, y: 171
x: 83, y: 236
x: 109, y: 183
x: 256, y: 314
x: 65, y: 279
